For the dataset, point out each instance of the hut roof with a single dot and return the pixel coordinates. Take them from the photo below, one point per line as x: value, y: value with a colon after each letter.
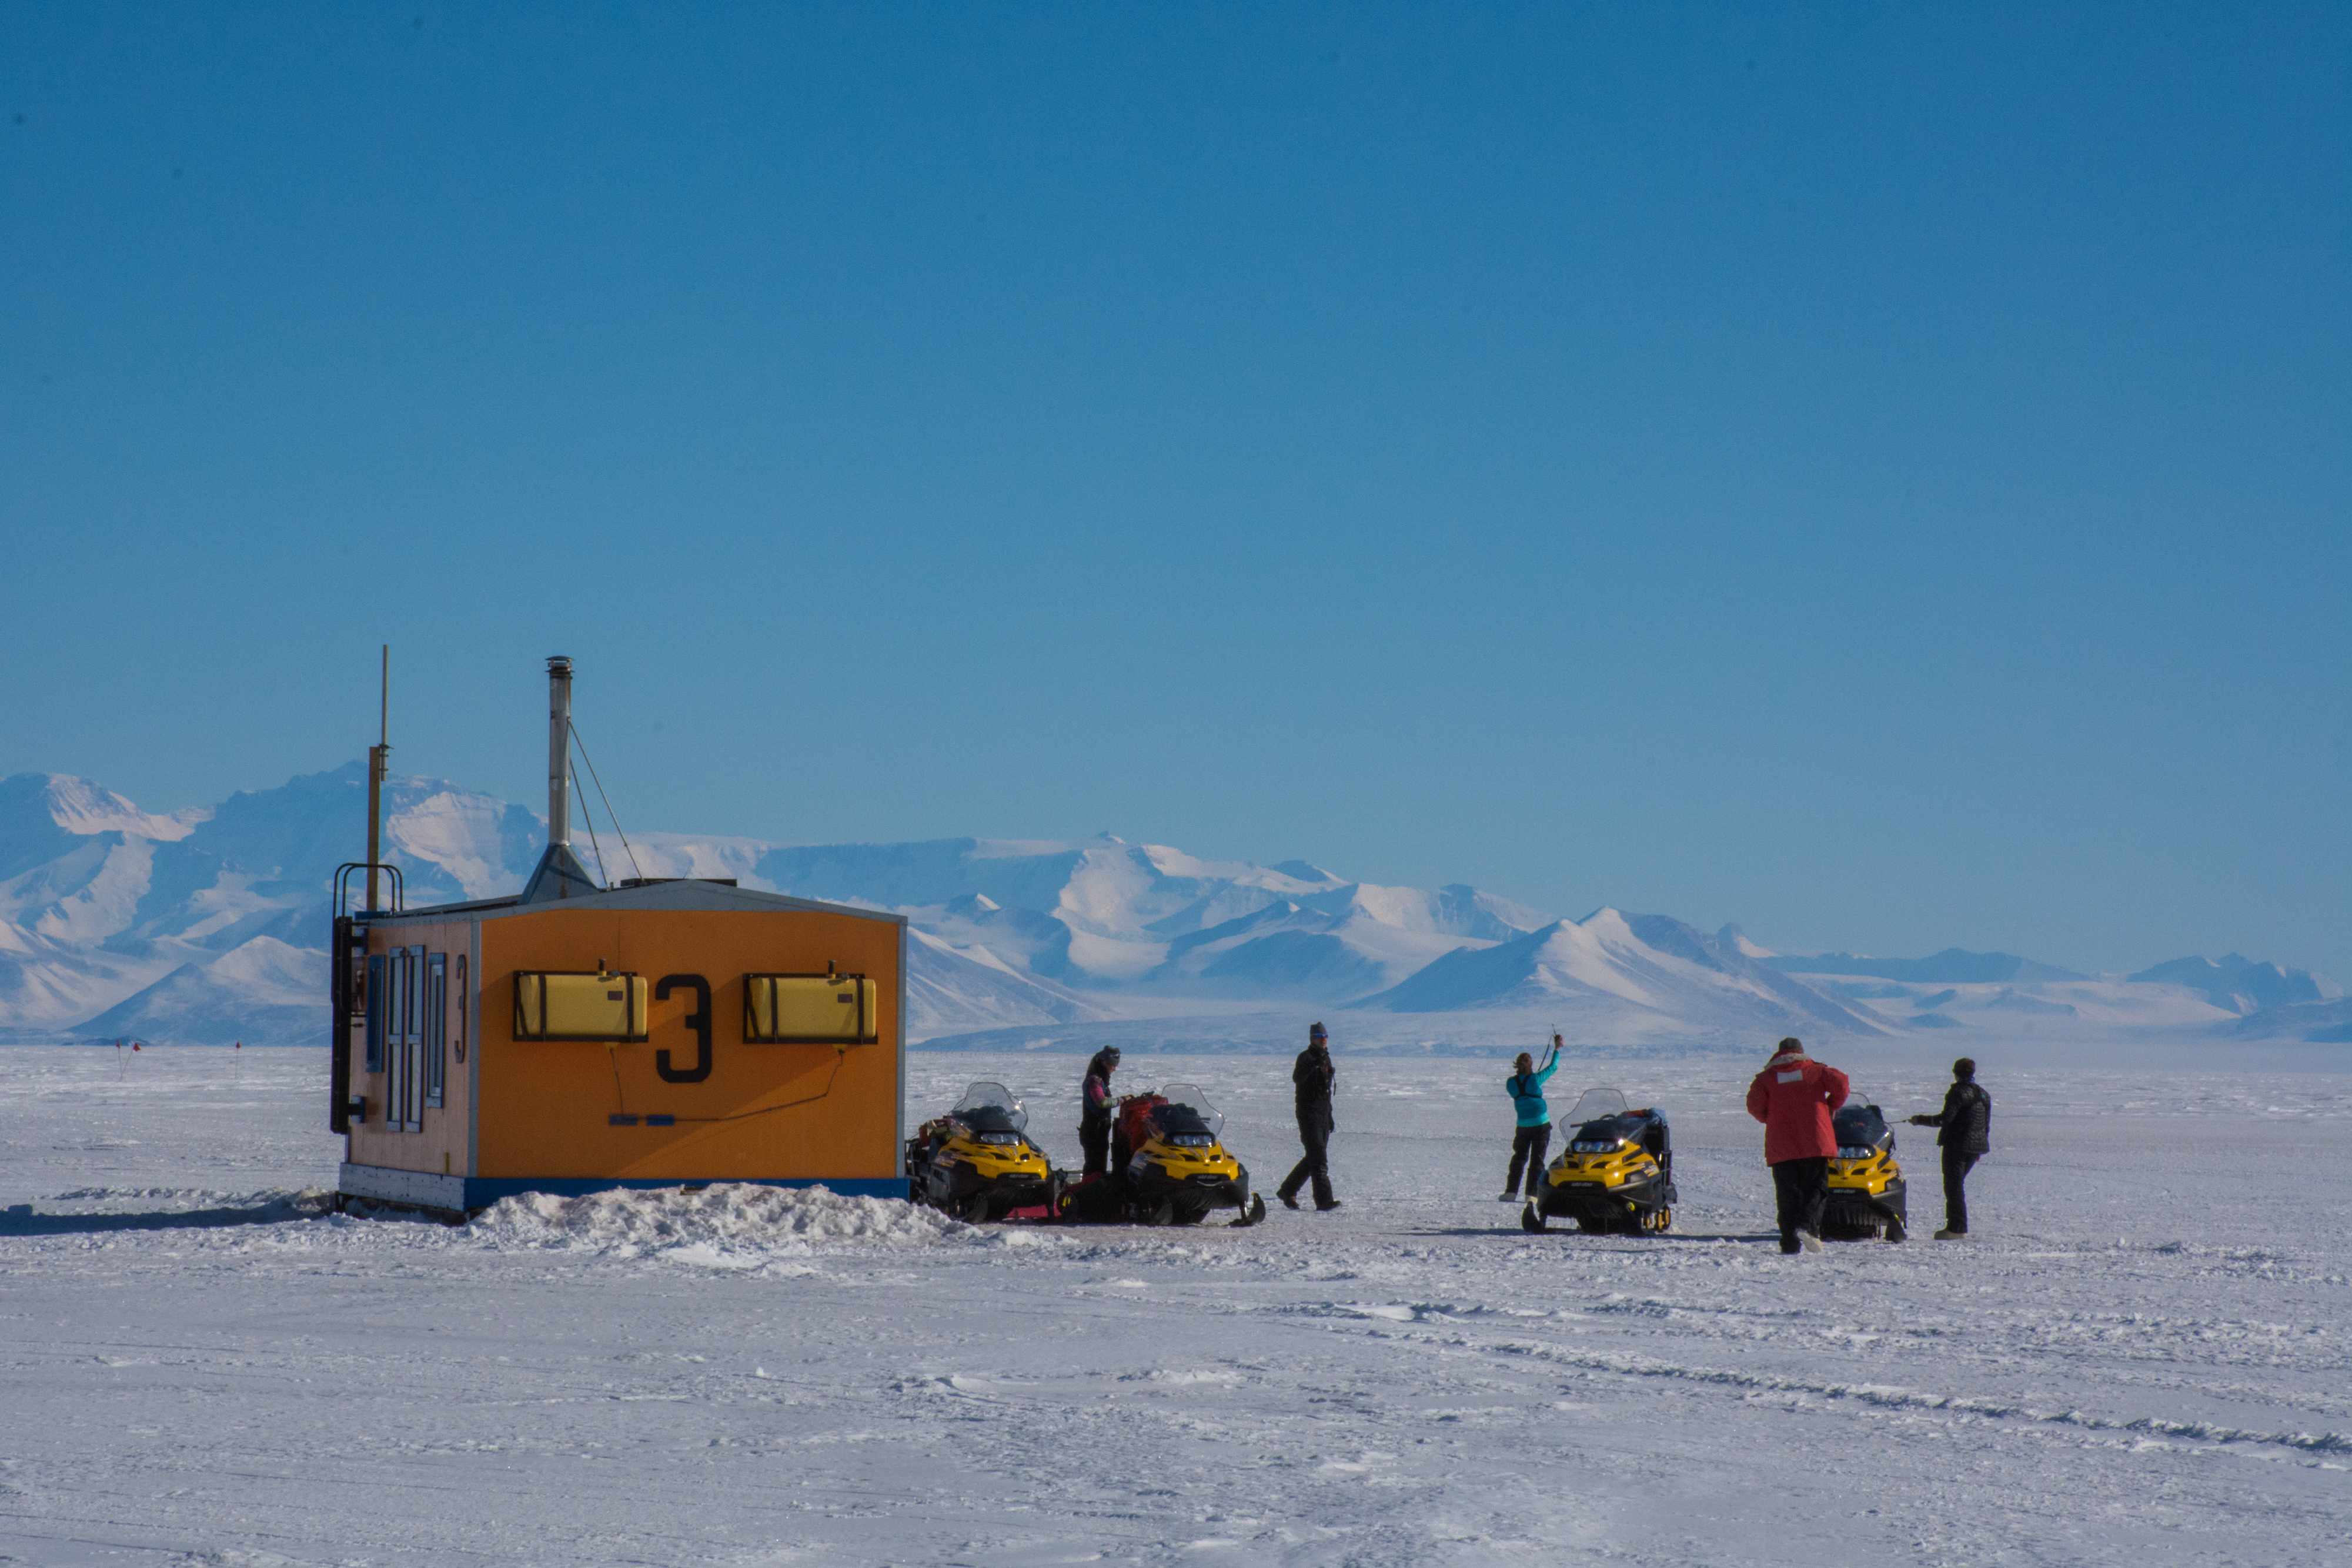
x: 652, y: 893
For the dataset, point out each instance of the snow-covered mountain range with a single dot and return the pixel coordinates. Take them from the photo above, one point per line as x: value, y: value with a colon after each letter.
x: 209, y: 924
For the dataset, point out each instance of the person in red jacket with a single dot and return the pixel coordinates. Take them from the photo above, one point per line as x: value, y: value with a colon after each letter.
x: 1793, y: 1097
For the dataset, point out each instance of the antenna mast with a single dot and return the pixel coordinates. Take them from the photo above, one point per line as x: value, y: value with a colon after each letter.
x: 379, y: 756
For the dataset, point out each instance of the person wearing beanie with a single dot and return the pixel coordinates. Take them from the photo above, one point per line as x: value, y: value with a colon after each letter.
x: 1095, y: 1107
x: 1965, y: 1123
x: 1532, y: 1140
x: 1793, y: 1097
x: 1313, y: 1076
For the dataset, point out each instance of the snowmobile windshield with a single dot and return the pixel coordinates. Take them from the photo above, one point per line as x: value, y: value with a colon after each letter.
x: 1188, y: 1100
x: 1601, y: 1135
x: 1593, y: 1106
x: 991, y: 1108
x: 1861, y: 1129
x: 990, y: 1124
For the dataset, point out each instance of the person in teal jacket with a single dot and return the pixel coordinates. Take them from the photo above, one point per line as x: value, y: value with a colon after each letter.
x: 1533, y: 1138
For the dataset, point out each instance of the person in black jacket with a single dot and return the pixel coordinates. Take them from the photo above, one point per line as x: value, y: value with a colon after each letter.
x: 1966, y: 1122
x: 1095, y: 1109
x: 1313, y: 1075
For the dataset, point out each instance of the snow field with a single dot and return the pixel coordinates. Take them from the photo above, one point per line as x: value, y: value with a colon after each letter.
x: 2140, y: 1358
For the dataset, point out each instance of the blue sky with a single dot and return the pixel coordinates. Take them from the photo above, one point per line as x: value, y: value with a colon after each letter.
x: 1878, y: 474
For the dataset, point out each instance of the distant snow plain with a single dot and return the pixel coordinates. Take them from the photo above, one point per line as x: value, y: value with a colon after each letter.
x: 2140, y: 1357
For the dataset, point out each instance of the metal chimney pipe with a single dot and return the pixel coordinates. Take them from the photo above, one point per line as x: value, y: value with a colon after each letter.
x: 558, y: 750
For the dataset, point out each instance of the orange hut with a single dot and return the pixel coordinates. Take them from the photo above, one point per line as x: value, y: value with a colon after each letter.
x: 575, y: 1038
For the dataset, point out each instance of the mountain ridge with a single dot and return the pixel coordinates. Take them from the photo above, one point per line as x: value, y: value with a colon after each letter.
x: 208, y: 924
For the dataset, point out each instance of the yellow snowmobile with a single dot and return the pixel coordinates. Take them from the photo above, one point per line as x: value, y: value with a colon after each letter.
x: 1167, y: 1166
x: 1867, y: 1190
x: 1616, y: 1175
x: 977, y: 1162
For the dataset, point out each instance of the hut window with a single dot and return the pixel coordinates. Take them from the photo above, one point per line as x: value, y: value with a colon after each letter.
x: 396, y: 994
x: 809, y: 1009
x: 395, y: 1034
x: 404, y: 1090
x: 599, y: 1009
x: 464, y: 1007
x: 436, y: 1022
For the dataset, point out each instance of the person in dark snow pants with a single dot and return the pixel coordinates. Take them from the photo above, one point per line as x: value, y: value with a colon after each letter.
x: 1532, y: 1138
x: 1312, y: 1076
x: 1793, y: 1097
x: 1095, y: 1108
x: 1965, y: 1135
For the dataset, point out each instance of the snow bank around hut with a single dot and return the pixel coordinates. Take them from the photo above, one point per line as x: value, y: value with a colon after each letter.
x: 727, y: 1224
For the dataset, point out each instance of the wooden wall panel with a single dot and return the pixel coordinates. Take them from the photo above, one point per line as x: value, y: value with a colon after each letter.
x: 778, y: 1112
